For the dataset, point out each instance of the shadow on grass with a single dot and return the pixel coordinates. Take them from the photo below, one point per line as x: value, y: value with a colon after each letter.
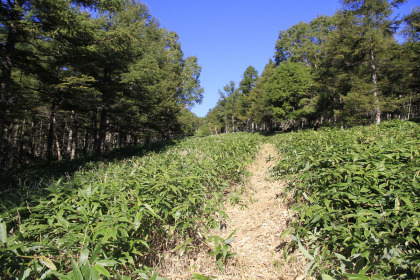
x: 22, y: 184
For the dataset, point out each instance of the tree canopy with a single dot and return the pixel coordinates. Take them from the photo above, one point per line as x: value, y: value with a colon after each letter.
x: 87, y: 76
x: 347, y: 69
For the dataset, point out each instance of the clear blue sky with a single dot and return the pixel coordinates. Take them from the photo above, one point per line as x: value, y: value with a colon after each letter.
x: 227, y: 36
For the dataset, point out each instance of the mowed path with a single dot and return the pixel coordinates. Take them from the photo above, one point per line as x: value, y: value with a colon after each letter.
x: 259, y: 219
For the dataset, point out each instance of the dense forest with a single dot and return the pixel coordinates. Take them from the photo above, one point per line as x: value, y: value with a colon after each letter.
x: 348, y: 69
x: 85, y: 76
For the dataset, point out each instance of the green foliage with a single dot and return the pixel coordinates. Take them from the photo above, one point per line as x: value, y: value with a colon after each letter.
x: 189, y: 122
x: 258, y: 110
x: 303, y: 42
x: 198, y: 276
x: 130, y: 86
x: 357, y: 196
x: 358, y: 74
x: 221, y: 249
x: 113, y: 218
x: 203, y: 131
x: 354, y: 63
x: 288, y: 89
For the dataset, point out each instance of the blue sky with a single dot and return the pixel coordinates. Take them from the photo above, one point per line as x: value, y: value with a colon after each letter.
x: 227, y: 36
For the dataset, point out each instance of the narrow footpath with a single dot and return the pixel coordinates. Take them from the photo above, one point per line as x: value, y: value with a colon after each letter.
x: 259, y: 216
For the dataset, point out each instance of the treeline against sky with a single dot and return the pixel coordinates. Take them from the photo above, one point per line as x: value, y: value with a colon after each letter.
x: 82, y: 76
x: 347, y: 69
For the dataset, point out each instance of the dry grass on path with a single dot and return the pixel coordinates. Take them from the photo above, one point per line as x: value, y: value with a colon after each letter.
x: 259, y: 217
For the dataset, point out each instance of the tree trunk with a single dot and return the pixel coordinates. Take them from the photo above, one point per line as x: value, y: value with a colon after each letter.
x: 7, y: 65
x: 70, y: 134
x: 57, y: 145
x: 74, y: 140
x: 2, y: 121
x: 233, y: 124
x: 15, y: 136
x: 94, y: 131
x: 21, y: 140
x: 375, y: 88
x: 107, y: 136
x: 40, y: 141
x: 120, y: 139
x: 32, y: 137
x: 102, y: 132
x: 50, y: 140
x: 86, y: 142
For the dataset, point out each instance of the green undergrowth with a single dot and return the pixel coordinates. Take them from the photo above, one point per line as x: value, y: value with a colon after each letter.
x: 357, y: 196
x: 26, y: 181
x: 112, y: 219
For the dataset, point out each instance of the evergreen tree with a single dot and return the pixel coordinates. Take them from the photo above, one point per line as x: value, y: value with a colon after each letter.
x: 258, y: 111
x: 89, y: 81
x: 35, y: 34
x: 227, y: 104
x: 303, y: 42
x: 355, y: 55
x: 409, y: 65
x: 244, y: 102
x: 288, y: 92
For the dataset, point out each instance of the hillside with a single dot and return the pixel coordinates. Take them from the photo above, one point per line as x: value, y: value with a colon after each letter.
x: 332, y: 203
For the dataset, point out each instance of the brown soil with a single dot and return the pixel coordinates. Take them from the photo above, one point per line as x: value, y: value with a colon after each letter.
x: 259, y: 218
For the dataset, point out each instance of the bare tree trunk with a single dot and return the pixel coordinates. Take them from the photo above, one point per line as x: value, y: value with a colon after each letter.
x: 102, y: 132
x: 233, y: 124
x: 57, y: 145
x: 21, y: 140
x: 375, y: 88
x: 32, y: 137
x: 50, y: 141
x: 74, y: 139
x: 2, y: 121
x: 120, y: 140
x: 72, y: 136
x: 107, y: 136
x: 15, y: 133
x: 40, y: 141
x: 86, y: 142
x: 95, y: 130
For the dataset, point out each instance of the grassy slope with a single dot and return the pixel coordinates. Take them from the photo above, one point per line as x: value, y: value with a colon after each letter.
x: 115, y: 217
x: 357, y: 192
x: 358, y: 199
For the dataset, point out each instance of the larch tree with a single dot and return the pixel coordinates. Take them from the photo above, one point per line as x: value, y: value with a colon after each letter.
x: 250, y: 78
x: 88, y: 75
x: 288, y: 92
x: 355, y: 53
x: 258, y: 110
x: 227, y: 104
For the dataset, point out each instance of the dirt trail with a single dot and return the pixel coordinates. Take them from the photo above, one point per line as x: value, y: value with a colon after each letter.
x: 258, y: 218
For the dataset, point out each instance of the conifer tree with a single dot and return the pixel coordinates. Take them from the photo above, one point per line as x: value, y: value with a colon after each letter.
x: 257, y: 111
x: 355, y: 53
x: 246, y: 85
x: 288, y: 91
